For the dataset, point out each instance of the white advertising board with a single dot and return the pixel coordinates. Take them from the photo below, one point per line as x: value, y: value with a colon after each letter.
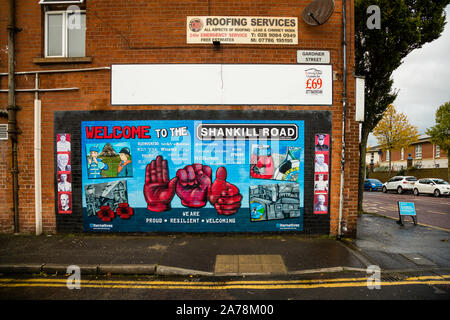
x: 221, y: 84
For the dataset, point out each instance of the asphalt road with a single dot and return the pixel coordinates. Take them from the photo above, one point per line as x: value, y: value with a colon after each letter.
x: 431, y: 211
x: 430, y: 285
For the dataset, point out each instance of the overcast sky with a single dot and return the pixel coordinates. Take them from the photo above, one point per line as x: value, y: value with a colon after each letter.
x: 424, y: 82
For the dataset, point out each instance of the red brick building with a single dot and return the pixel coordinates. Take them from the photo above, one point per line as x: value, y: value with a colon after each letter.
x: 424, y: 155
x: 153, y: 32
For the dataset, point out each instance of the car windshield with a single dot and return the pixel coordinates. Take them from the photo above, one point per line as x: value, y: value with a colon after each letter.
x: 439, y: 181
x: 411, y: 179
x: 375, y: 181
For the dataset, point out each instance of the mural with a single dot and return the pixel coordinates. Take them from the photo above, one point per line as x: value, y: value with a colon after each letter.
x: 321, y: 169
x: 64, y: 173
x: 193, y: 176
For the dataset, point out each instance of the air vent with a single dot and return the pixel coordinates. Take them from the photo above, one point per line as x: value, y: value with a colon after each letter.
x: 3, y: 132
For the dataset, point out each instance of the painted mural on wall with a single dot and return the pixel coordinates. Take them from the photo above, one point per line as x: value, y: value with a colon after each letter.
x: 64, y: 173
x: 321, y: 173
x: 193, y: 176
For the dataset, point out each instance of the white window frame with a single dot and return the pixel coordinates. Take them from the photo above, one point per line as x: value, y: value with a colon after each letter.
x: 388, y: 155
x: 438, y: 151
x: 60, y: 2
x: 65, y: 43
x: 418, y: 153
x: 402, y: 154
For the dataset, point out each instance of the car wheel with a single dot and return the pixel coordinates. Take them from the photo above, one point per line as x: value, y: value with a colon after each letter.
x: 399, y: 190
x: 416, y: 192
x: 384, y: 189
x: 437, y: 193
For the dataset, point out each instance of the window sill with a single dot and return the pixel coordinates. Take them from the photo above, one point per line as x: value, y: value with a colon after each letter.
x: 62, y: 60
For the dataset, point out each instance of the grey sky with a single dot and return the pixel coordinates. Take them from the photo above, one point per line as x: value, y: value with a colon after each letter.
x: 424, y: 82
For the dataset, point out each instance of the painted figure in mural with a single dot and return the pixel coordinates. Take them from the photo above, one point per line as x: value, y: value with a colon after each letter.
x: 63, y: 162
x: 64, y: 185
x: 125, y: 168
x: 95, y: 164
x: 193, y: 186
x: 320, y: 165
x: 321, y: 184
x: 64, y: 202
x: 62, y: 145
x: 320, y: 205
x: 321, y: 146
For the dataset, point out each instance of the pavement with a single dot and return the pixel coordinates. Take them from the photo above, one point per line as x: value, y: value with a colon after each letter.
x: 380, y: 241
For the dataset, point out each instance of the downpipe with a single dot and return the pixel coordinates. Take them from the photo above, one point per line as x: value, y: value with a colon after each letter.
x: 344, y: 117
x: 13, y: 131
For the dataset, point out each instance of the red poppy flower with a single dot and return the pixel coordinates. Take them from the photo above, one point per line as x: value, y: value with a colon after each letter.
x: 105, y: 213
x: 124, y: 211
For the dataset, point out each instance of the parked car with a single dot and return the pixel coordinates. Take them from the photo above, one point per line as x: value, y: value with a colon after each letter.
x: 373, y: 184
x: 433, y: 186
x: 399, y: 184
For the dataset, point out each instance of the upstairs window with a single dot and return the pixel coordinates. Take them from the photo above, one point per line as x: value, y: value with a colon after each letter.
x: 65, y: 31
x: 438, y: 151
x: 60, y: 1
x: 419, y: 151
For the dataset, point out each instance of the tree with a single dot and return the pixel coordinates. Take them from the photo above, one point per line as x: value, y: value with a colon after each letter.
x: 394, y: 132
x: 440, y: 133
x: 405, y: 25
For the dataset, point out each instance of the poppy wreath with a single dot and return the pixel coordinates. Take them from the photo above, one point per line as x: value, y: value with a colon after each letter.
x: 105, y: 213
x: 124, y: 211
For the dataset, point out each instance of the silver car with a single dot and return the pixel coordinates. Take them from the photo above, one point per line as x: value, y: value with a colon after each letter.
x: 433, y: 186
x: 399, y: 184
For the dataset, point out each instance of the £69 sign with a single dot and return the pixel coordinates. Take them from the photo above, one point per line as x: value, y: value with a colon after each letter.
x: 314, y: 81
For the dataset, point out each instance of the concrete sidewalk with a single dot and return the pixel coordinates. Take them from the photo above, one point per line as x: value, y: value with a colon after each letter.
x: 380, y: 241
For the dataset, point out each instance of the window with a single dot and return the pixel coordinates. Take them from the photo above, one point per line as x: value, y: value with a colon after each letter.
x: 60, y: 1
x: 438, y: 151
x: 419, y: 151
x: 402, y: 154
x: 388, y: 155
x: 65, y: 33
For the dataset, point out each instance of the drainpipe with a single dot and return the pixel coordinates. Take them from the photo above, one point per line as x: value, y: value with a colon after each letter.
x: 13, y: 131
x: 37, y: 159
x: 344, y: 117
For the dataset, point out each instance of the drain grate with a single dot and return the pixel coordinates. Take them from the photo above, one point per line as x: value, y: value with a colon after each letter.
x: 392, y: 277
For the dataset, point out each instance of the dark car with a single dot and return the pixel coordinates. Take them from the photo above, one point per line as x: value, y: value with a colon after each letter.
x: 373, y: 184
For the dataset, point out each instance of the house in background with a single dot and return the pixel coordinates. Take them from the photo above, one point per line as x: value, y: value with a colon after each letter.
x: 424, y: 155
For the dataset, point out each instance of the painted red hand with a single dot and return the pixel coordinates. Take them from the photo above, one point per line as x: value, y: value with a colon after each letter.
x: 224, y: 196
x: 193, y: 184
x: 158, y: 190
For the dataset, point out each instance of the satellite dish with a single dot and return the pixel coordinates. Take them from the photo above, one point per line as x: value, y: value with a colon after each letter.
x: 318, y: 12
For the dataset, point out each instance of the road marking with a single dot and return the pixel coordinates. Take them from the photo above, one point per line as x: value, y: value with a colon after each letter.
x: 256, y: 285
x: 435, y: 212
x: 420, y: 224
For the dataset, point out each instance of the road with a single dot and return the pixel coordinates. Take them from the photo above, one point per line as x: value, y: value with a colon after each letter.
x: 431, y: 211
x: 433, y: 285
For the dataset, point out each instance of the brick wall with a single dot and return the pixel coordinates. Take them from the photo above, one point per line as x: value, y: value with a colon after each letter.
x: 142, y: 31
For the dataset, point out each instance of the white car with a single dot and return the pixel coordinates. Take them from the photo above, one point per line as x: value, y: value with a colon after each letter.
x: 399, y: 184
x: 433, y: 186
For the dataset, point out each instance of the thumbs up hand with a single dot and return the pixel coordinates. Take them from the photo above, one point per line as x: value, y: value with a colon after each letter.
x: 224, y: 196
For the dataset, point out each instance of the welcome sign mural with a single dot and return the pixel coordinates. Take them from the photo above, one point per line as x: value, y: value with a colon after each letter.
x: 192, y: 176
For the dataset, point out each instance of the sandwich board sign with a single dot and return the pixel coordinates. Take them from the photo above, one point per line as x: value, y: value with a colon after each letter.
x: 406, y: 209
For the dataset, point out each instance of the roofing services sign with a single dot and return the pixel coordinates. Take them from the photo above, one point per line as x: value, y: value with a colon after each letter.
x: 193, y: 176
x: 242, y: 30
